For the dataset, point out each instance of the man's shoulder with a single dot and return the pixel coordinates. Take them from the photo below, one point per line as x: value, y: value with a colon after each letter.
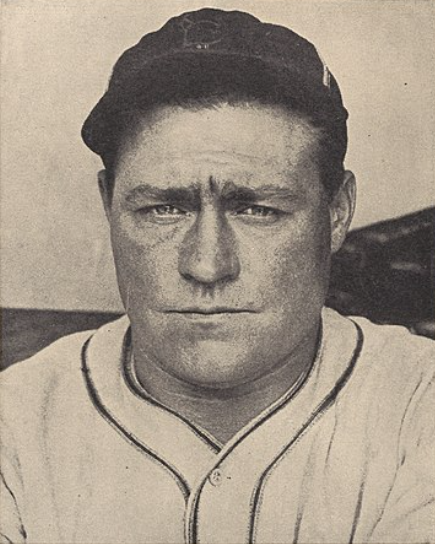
x: 393, y: 374
x: 387, y: 352
x: 56, y: 364
x: 391, y: 380
x: 48, y: 391
x: 396, y: 342
x: 387, y: 337
x: 56, y: 356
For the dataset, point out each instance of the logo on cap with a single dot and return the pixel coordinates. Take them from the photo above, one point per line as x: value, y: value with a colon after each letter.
x: 200, y: 34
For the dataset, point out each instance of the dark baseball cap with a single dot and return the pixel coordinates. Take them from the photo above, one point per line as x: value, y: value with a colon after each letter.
x: 210, y: 52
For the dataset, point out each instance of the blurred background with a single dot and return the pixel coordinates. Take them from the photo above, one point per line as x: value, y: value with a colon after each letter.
x: 57, y: 274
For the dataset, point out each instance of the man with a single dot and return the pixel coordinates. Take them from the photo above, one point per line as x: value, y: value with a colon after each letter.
x: 230, y: 405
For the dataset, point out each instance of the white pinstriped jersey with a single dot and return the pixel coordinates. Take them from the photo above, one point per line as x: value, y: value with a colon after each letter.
x: 345, y: 456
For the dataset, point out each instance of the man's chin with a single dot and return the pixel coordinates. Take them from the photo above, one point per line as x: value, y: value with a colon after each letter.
x: 210, y: 364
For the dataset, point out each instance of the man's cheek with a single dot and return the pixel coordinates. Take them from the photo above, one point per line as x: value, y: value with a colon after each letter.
x: 294, y: 272
x: 148, y: 272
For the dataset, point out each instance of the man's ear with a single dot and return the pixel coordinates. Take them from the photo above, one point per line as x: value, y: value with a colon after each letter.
x: 342, y: 209
x: 105, y: 191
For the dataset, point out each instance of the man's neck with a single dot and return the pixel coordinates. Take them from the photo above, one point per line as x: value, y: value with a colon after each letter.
x: 222, y: 412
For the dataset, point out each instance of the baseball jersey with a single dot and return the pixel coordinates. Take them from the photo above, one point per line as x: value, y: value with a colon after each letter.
x: 345, y: 456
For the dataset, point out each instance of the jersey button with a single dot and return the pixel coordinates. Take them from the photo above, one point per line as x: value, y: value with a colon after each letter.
x: 216, y: 477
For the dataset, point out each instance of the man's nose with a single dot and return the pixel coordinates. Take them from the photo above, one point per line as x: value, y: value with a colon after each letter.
x: 209, y: 254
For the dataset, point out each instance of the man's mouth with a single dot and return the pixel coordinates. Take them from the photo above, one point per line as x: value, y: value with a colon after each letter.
x: 218, y: 310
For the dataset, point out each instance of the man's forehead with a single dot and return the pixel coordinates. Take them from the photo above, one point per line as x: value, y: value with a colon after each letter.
x: 225, y: 134
x: 202, y: 174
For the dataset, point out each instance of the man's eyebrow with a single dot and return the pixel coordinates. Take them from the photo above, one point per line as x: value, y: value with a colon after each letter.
x: 232, y: 191
x: 229, y: 192
x: 173, y: 194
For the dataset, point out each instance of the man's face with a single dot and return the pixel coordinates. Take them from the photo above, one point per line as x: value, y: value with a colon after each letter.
x: 221, y: 232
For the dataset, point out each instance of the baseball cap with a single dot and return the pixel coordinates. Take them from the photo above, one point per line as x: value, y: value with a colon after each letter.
x: 203, y: 53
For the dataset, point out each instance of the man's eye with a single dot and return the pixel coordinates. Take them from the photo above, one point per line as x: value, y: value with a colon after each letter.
x: 259, y: 211
x: 162, y: 210
x: 162, y: 213
x: 167, y: 209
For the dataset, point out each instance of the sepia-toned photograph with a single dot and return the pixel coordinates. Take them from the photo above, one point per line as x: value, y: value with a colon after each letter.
x: 217, y: 235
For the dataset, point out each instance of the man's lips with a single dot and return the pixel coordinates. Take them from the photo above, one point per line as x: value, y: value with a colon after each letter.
x: 210, y: 311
